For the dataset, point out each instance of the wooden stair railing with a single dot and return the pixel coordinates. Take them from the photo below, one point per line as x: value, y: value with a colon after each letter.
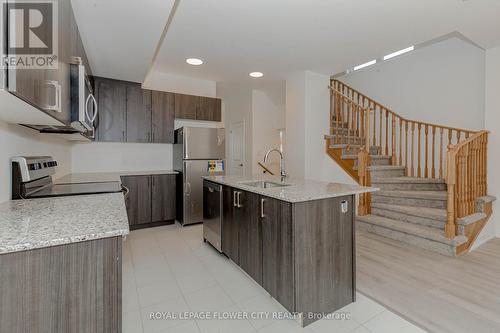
x: 466, y: 178
x: 419, y: 147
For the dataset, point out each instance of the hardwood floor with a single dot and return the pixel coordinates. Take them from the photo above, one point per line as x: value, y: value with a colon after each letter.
x: 437, y: 293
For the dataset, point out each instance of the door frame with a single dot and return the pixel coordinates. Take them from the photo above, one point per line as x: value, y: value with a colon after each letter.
x: 230, y: 155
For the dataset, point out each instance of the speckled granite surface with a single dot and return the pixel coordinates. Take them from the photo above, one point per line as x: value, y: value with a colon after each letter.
x: 95, y: 177
x: 299, y: 190
x: 38, y: 223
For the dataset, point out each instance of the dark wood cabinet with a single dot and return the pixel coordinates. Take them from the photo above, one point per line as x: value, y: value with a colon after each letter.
x: 66, y: 288
x: 197, y: 107
x: 163, y: 198
x: 185, y: 106
x: 277, y: 250
x: 230, y: 234
x: 112, y: 104
x: 49, y: 89
x: 138, y: 114
x: 128, y: 113
x: 151, y: 200
x: 302, y: 253
x: 249, y: 230
x: 138, y: 201
x: 163, y: 117
x: 209, y: 109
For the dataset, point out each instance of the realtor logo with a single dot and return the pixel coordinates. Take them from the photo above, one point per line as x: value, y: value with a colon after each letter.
x: 30, y: 39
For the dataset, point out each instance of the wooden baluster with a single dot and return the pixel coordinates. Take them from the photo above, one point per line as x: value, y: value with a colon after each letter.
x: 450, y: 228
x: 458, y: 136
x: 400, y: 162
x: 412, y: 149
x: 419, y: 169
x: 349, y: 124
x: 441, y: 153
x: 393, y: 143
x: 374, y: 125
x: 337, y: 118
x: 426, y: 164
x: 406, y: 149
x: 433, y: 171
x: 332, y: 107
x: 386, y: 132
x: 381, y: 129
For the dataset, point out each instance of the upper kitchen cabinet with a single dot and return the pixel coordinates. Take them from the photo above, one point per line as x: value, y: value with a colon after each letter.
x: 112, y: 104
x: 46, y: 88
x: 197, y: 107
x: 209, y: 109
x: 185, y: 106
x: 138, y: 114
x: 163, y: 117
x: 128, y: 113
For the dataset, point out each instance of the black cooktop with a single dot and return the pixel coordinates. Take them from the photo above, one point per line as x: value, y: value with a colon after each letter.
x: 58, y: 190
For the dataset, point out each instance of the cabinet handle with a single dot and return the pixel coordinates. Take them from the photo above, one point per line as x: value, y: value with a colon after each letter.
x: 153, y: 180
x: 234, y: 198
x: 262, y: 202
x: 239, y: 200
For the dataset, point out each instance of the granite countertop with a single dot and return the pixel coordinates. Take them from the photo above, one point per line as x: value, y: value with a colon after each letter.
x: 300, y: 190
x: 95, y: 177
x: 37, y: 223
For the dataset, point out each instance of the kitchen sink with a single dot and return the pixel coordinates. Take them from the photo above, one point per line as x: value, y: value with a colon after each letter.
x: 265, y: 184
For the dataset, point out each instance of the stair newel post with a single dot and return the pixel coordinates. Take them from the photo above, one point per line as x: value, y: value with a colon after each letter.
x: 363, y: 163
x: 450, y: 228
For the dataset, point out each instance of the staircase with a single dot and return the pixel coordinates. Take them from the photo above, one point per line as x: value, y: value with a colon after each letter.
x: 432, y: 178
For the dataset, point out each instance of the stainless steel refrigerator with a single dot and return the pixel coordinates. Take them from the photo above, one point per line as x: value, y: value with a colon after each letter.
x: 197, y: 152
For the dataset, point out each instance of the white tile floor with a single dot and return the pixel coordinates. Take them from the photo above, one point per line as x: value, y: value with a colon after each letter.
x: 169, y: 270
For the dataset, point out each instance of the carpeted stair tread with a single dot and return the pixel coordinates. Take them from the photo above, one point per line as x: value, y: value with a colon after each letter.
x: 427, y: 195
x: 431, y: 213
x: 420, y: 231
x: 373, y: 157
x: 413, y: 180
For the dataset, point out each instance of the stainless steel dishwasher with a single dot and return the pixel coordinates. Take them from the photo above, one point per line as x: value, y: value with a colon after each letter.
x: 212, y: 214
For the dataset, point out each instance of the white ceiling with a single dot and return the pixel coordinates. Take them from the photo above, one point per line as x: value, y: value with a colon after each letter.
x: 277, y: 37
x: 120, y: 36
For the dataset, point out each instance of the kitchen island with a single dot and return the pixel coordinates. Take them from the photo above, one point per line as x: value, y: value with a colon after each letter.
x: 295, y: 239
x: 60, y: 263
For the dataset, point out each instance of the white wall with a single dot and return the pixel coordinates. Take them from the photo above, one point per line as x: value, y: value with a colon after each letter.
x: 16, y: 140
x: 180, y: 84
x: 442, y: 83
x: 239, y: 101
x: 268, y: 112
x: 110, y: 156
x: 295, y: 136
x: 307, y: 121
x: 493, y: 125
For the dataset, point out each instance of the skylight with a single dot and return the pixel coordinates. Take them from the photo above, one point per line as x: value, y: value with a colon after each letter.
x: 400, y: 52
x: 366, y: 64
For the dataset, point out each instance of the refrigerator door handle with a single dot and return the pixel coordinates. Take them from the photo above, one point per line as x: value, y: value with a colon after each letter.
x: 188, y: 188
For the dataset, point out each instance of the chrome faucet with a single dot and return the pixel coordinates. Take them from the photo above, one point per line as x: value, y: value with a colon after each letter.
x: 282, y: 163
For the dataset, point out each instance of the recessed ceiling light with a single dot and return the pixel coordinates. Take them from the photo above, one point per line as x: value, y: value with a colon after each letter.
x: 400, y: 52
x: 256, y: 74
x: 366, y: 64
x: 194, y: 61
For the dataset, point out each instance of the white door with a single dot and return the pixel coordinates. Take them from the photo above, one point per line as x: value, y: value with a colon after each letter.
x: 237, y: 148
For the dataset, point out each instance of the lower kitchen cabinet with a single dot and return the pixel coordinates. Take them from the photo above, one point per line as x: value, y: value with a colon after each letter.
x: 163, y: 198
x: 138, y: 201
x: 302, y: 253
x: 277, y: 250
x: 230, y: 235
x: 66, y: 288
x: 249, y: 231
x: 151, y: 200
